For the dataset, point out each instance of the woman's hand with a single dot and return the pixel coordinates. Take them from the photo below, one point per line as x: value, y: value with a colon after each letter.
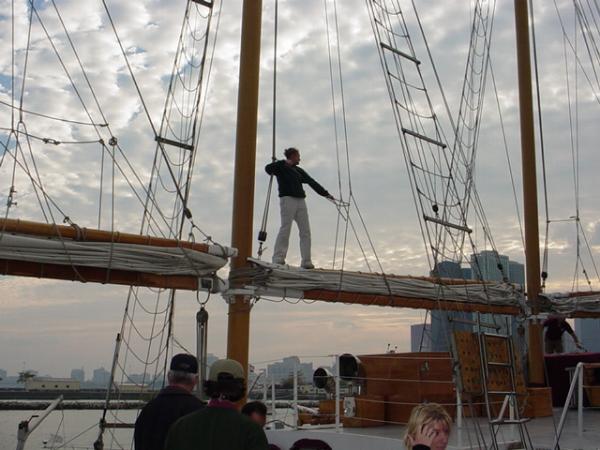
x: 423, y: 437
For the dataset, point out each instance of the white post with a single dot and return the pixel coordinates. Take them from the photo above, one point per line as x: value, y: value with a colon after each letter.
x: 459, y: 410
x: 28, y: 427
x: 265, y: 386
x: 295, y: 401
x: 273, y: 396
x: 337, y: 393
x: 580, y: 400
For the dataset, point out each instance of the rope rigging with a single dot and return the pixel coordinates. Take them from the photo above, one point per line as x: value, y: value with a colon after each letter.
x: 262, y: 234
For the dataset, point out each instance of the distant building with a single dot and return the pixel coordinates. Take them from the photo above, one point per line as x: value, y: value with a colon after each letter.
x: 516, y: 273
x: 101, y: 377
x: 210, y: 359
x: 2, y: 374
x: 447, y: 269
x: 283, y: 370
x: 420, y: 338
x: 486, y: 266
x: 441, y: 321
x: 78, y: 374
x: 467, y: 273
x: 51, y: 384
x: 588, y: 332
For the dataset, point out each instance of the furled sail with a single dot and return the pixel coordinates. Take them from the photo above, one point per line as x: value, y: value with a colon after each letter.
x: 572, y: 304
x: 70, y: 252
x: 384, y: 290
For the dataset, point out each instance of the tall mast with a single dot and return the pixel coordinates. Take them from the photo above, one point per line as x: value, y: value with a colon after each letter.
x: 238, y: 330
x: 532, y: 243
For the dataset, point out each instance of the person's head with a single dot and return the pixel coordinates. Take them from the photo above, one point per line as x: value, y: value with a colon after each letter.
x: 292, y: 154
x: 183, y: 371
x: 257, y: 411
x: 225, y: 380
x: 433, y: 415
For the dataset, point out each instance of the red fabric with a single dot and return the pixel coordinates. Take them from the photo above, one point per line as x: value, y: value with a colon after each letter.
x: 558, y: 377
x: 216, y: 403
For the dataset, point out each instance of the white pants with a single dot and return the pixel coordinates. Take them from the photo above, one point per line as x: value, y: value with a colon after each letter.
x: 292, y: 208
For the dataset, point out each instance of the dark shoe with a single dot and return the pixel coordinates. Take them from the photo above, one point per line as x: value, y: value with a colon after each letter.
x: 308, y: 266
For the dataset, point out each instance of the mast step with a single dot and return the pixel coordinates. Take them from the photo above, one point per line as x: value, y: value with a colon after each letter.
x: 510, y: 421
x: 400, y: 53
x: 423, y: 137
x: 496, y: 335
x: 163, y: 140
x: 447, y: 224
x: 208, y: 4
x: 118, y: 425
x: 499, y: 364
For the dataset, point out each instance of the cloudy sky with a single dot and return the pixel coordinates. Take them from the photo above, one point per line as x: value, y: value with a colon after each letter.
x: 53, y: 326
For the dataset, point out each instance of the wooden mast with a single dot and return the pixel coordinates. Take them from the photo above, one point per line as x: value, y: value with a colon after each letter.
x: 532, y: 245
x: 238, y: 330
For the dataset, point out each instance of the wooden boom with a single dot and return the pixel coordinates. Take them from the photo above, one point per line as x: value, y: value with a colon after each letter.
x: 95, y: 274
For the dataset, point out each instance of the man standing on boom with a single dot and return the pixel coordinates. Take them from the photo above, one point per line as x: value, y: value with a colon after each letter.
x: 290, y: 178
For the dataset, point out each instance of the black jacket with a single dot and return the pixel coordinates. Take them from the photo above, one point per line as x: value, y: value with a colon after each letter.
x: 291, y: 178
x: 159, y: 414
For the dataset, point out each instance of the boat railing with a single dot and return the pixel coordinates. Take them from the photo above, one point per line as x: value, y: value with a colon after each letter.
x: 368, y: 410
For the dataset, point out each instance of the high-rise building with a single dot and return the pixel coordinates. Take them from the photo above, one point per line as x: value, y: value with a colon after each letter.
x: 283, y: 370
x: 2, y: 374
x: 442, y: 323
x: 101, y: 377
x: 78, y: 374
x: 447, y: 269
x: 420, y: 338
x: 588, y: 332
x: 467, y: 273
x: 486, y: 266
x: 516, y: 273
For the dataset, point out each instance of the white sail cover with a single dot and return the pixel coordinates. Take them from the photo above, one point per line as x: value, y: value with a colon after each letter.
x: 569, y: 304
x: 274, y: 279
x: 117, y: 256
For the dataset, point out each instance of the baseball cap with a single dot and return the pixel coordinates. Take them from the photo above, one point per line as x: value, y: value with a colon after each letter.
x: 226, y: 367
x: 184, y: 362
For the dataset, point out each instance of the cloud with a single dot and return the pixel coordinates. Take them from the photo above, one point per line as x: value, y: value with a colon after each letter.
x: 84, y: 319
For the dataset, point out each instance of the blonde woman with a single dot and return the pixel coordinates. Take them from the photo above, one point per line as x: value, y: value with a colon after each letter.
x: 428, y: 428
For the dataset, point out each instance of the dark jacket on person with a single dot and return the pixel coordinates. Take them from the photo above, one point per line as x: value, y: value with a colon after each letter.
x: 556, y: 326
x: 290, y: 180
x: 160, y: 413
x: 216, y: 428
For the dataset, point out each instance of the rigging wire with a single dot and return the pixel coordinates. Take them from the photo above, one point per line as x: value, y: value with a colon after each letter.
x: 262, y: 234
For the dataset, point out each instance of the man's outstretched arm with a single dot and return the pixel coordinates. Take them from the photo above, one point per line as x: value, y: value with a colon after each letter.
x: 306, y: 178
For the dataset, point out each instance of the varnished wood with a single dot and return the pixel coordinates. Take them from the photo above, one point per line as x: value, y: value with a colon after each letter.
x: 96, y: 275
x: 405, y: 302
x: 91, y: 235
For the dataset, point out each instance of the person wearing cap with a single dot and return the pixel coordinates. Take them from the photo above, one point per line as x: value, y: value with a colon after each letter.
x: 220, y: 426
x: 292, y: 205
x: 174, y: 401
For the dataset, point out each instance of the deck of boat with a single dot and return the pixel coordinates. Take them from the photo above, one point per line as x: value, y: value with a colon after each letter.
x: 542, y: 432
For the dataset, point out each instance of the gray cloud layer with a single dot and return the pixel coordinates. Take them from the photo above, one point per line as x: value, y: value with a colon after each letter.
x: 54, y: 326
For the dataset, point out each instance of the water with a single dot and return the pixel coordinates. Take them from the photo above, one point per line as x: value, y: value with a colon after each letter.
x: 65, y: 425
